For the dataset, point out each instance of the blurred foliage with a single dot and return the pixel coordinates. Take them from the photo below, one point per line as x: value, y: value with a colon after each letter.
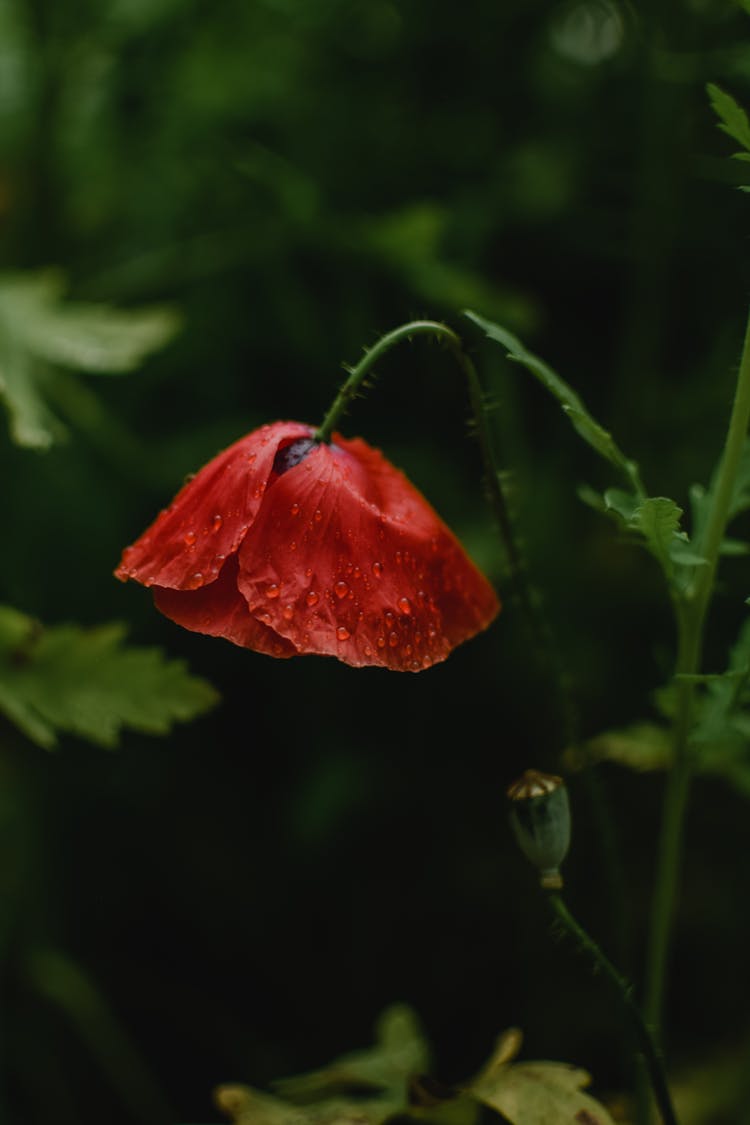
x: 286, y: 180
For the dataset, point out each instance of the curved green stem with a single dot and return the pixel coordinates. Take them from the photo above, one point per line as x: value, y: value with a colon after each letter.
x: 692, y: 610
x: 446, y: 336
x: 528, y: 603
x: 646, y: 1042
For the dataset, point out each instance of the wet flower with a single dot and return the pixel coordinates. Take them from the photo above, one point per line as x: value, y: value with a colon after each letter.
x: 288, y: 546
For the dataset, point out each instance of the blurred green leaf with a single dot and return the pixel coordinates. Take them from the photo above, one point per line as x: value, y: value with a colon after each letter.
x: 641, y: 747
x: 88, y: 682
x: 537, y: 1093
x: 40, y: 331
x: 732, y: 117
x: 585, y: 425
x: 658, y: 520
x: 400, y: 1051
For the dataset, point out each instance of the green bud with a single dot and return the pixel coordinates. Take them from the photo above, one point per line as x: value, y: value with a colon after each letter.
x: 540, y: 819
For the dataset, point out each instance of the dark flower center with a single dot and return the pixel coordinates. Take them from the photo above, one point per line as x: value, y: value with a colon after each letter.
x: 292, y: 454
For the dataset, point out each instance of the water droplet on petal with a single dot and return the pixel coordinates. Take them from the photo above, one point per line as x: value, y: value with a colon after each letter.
x: 189, y: 538
x: 381, y: 641
x: 342, y: 633
x: 389, y: 618
x: 273, y: 590
x: 393, y: 639
x: 251, y: 458
x: 368, y: 650
x: 357, y: 573
x: 377, y: 569
x: 404, y: 605
x: 293, y: 545
x: 312, y: 598
x: 317, y: 515
x: 341, y: 589
x: 216, y: 524
x: 195, y: 580
x: 288, y: 612
x: 294, y: 509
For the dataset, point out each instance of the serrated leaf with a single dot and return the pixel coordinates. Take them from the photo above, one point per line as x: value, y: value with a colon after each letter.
x: 39, y: 331
x: 732, y: 117
x: 538, y: 1093
x: 363, y: 1087
x: 400, y: 1051
x: 658, y: 520
x: 90, y: 683
x: 583, y: 422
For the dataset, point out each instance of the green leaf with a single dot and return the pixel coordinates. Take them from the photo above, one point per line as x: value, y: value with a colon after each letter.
x: 88, y: 682
x: 40, y: 331
x: 658, y: 520
x: 363, y: 1087
x: 400, y: 1051
x: 732, y: 117
x: 537, y: 1093
x: 641, y: 747
x: 583, y: 422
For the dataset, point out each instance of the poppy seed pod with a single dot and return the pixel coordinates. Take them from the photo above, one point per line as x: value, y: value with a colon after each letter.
x: 540, y: 819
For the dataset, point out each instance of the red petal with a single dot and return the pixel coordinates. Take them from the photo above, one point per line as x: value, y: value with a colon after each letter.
x: 346, y: 558
x: 187, y: 544
x: 219, y: 610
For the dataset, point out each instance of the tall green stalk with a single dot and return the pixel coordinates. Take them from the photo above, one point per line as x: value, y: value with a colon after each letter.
x: 691, y: 611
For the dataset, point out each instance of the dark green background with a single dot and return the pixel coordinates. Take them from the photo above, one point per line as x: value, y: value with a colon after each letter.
x: 298, y: 176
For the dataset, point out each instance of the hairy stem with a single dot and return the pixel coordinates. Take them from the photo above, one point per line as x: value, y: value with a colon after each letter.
x: 541, y: 639
x: 646, y: 1043
x: 692, y: 610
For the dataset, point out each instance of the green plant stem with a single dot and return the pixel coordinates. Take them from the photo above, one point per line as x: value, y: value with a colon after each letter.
x: 692, y: 610
x: 648, y: 1046
x: 542, y: 640
x: 493, y: 482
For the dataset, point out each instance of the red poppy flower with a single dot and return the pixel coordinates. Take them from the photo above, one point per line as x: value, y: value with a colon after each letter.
x: 288, y: 546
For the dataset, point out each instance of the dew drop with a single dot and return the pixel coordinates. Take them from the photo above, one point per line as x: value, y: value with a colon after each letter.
x: 389, y: 618
x: 150, y: 580
x: 216, y: 524
x: 293, y: 545
x: 312, y: 598
x: 398, y: 557
x: 393, y: 639
x: 357, y: 573
x: 195, y: 580
x: 381, y: 641
x: 218, y: 561
x: 317, y: 515
x: 404, y: 605
x: 377, y: 569
x: 251, y: 457
x: 189, y: 538
x: 273, y: 590
x: 288, y: 612
x: 342, y: 633
x: 408, y: 650
x: 308, y: 572
x: 294, y: 509
x: 341, y: 589
x: 266, y: 617
x: 368, y: 650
